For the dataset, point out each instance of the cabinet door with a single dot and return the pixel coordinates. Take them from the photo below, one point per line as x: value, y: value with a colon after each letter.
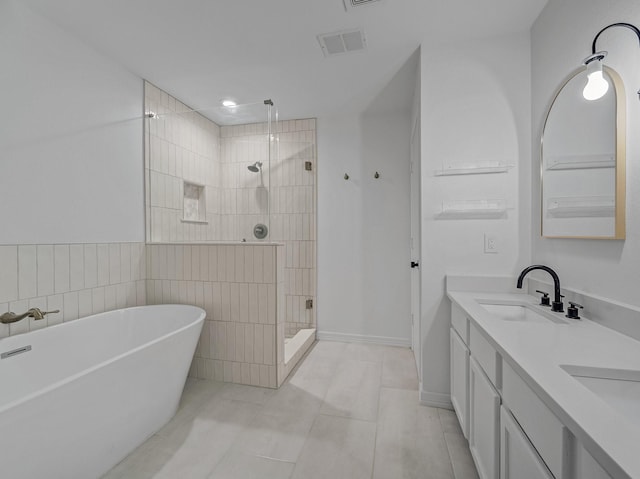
x: 484, y: 422
x: 460, y: 380
x: 518, y: 458
x: 585, y: 466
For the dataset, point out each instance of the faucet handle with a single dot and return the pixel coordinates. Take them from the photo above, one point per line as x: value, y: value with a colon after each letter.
x: 544, y: 300
x: 572, y: 310
x: 37, y: 313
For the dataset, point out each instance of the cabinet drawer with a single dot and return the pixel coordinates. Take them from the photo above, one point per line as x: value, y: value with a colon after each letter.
x: 460, y: 322
x: 547, y: 434
x: 486, y: 356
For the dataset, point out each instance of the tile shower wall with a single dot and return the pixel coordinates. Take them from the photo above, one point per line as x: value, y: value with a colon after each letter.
x: 77, y: 279
x: 239, y: 288
x: 180, y: 146
x: 293, y: 203
x: 245, y: 194
x: 189, y: 147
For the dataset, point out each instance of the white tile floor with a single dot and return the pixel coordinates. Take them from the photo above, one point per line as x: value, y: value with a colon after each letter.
x: 349, y: 411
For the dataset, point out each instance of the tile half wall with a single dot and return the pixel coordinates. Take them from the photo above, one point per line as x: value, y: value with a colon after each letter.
x: 241, y: 288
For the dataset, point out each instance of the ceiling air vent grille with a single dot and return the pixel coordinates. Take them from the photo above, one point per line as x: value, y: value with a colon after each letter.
x: 351, y: 4
x: 342, y: 42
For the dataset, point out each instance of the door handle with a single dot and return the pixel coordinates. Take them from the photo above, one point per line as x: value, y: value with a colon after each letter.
x: 415, y: 264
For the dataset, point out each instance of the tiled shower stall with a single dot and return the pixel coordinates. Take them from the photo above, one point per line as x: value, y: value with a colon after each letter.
x: 202, y: 203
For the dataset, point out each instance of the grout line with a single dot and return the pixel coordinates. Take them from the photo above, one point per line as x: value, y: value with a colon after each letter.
x: 444, y: 437
x: 274, y: 459
x: 375, y: 438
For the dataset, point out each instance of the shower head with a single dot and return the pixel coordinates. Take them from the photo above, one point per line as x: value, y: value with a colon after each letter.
x: 256, y: 167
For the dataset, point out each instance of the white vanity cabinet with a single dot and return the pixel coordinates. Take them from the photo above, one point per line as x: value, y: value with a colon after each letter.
x: 524, y: 413
x: 459, y: 367
x: 518, y: 458
x: 484, y: 422
x: 511, y: 434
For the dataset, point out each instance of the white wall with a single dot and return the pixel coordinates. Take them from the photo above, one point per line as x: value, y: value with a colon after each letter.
x: 475, y: 107
x: 561, y: 39
x: 70, y: 138
x: 363, y: 227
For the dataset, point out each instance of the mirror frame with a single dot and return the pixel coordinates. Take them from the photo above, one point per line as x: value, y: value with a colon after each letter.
x: 621, y: 153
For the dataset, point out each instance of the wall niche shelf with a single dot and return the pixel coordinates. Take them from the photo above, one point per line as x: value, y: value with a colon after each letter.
x: 575, y: 162
x: 582, y: 207
x: 194, y: 203
x: 473, y: 169
x: 473, y: 209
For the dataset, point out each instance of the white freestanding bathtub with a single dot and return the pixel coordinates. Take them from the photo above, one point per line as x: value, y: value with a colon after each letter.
x: 76, y: 398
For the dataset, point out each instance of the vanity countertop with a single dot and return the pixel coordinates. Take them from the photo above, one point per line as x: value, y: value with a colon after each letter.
x: 536, y: 350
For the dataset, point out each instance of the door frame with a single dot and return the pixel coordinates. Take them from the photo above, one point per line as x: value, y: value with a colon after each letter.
x: 415, y: 246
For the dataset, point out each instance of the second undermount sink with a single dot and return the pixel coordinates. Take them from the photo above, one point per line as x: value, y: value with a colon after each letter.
x: 619, y: 388
x: 520, y: 311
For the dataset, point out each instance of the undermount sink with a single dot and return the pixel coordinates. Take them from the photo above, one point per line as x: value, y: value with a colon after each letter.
x: 619, y: 388
x: 523, y: 312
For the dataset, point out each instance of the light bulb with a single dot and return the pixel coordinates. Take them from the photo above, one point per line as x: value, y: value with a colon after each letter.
x: 229, y: 103
x: 597, y: 85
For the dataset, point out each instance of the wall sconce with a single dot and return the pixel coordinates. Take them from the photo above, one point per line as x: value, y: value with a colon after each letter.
x: 597, y: 85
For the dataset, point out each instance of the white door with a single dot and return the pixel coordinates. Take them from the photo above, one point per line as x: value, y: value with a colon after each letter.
x: 414, y: 246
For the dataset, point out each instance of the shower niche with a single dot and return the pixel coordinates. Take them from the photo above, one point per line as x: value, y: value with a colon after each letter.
x: 194, y: 204
x: 231, y: 227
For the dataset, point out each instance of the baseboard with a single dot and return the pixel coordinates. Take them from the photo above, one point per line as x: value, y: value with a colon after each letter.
x: 361, y: 338
x: 440, y: 400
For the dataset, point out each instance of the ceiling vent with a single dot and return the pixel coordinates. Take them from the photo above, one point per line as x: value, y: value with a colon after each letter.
x: 351, y: 4
x: 346, y: 41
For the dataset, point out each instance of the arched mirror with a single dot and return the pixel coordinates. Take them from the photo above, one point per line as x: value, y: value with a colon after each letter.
x: 583, y: 162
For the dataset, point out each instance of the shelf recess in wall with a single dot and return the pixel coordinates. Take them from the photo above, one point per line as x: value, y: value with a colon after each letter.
x: 479, y: 168
x: 574, y: 162
x: 473, y: 209
x: 582, y: 207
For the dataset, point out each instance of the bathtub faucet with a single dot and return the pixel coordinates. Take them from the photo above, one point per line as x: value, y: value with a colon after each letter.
x: 35, y: 313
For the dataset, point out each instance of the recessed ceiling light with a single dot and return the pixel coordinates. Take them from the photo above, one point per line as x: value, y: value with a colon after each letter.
x: 229, y: 103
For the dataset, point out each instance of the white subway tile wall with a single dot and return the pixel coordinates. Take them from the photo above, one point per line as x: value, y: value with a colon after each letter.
x: 238, y: 341
x: 293, y: 203
x: 77, y: 279
x: 245, y: 194
x: 180, y: 145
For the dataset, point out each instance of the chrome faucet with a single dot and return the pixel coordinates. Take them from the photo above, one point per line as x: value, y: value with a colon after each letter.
x: 35, y: 313
x: 556, y: 305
